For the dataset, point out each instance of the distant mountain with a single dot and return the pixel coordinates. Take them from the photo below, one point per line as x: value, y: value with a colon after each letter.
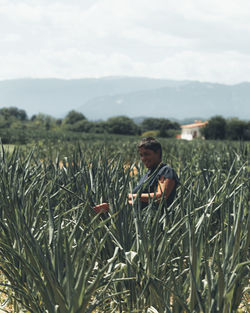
x: 132, y: 96
x: 183, y: 101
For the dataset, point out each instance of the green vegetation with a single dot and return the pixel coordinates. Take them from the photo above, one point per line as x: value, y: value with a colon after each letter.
x: 58, y: 256
x: 232, y: 129
x: 17, y: 128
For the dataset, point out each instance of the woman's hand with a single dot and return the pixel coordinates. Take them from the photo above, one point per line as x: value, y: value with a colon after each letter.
x: 101, y: 208
x: 164, y: 189
x: 131, y: 196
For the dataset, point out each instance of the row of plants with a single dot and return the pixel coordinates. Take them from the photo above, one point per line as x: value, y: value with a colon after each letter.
x: 57, y: 255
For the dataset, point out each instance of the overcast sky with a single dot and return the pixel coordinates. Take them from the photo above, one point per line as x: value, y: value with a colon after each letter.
x: 174, y: 39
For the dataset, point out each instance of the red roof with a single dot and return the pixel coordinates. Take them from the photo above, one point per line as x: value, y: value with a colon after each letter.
x: 195, y: 124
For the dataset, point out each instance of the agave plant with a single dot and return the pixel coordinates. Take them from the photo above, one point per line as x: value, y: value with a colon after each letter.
x: 57, y: 255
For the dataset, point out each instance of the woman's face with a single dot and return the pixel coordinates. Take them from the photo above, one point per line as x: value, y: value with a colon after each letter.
x: 150, y: 158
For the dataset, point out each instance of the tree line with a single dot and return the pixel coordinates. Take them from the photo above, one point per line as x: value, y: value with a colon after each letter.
x: 17, y: 127
x: 219, y: 128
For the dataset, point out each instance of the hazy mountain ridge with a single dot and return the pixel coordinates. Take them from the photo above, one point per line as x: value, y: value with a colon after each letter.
x: 110, y: 96
x: 192, y: 99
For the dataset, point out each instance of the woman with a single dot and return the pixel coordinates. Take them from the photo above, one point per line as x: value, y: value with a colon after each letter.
x: 159, y: 182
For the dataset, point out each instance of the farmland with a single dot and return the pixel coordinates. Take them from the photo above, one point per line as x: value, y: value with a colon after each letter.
x: 58, y: 256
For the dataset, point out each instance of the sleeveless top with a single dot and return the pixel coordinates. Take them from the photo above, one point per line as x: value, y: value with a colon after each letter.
x: 149, y: 182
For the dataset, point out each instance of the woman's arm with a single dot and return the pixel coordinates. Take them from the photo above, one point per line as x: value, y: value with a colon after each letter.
x: 164, y: 188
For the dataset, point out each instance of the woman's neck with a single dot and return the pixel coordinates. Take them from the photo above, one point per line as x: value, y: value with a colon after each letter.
x: 155, y: 167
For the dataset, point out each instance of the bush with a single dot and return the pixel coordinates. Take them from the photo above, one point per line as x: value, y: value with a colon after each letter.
x: 236, y: 129
x: 122, y: 125
x: 215, y: 129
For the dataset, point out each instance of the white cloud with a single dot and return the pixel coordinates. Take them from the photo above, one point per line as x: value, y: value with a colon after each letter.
x: 193, y: 39
x: 226, y: 68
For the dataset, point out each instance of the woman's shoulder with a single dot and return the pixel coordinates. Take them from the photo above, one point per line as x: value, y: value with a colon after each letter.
x: 167, y: 171
x: 165, y: 167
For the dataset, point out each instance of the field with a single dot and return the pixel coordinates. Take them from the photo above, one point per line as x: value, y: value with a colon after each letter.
x: 58, y: 256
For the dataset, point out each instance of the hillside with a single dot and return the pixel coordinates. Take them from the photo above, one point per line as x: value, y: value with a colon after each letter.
x: 111, y: 96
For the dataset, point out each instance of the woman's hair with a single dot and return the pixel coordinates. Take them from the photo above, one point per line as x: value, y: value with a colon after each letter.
x: 151, y: 144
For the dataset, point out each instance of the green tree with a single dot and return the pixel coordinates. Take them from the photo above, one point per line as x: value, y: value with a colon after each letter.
x: 43, y: 121
x: 73, y: 117
x: 215, y: 128
x: 122, y: 125
x: 3, y: 122
x: 247, y: 131
x: 161, y: 124
x: 98, y: 127
x: 80, y: 126
x: 13, y: 118
x: 13, y: 113
x: 236, y: 129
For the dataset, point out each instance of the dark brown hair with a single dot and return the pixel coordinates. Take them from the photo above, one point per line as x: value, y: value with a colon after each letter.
x: 150, y: 143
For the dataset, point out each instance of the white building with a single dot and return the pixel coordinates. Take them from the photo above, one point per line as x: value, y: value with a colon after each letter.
x: 191, y: 131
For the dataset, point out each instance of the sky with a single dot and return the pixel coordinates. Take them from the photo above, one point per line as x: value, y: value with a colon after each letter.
x: 171, y: 39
